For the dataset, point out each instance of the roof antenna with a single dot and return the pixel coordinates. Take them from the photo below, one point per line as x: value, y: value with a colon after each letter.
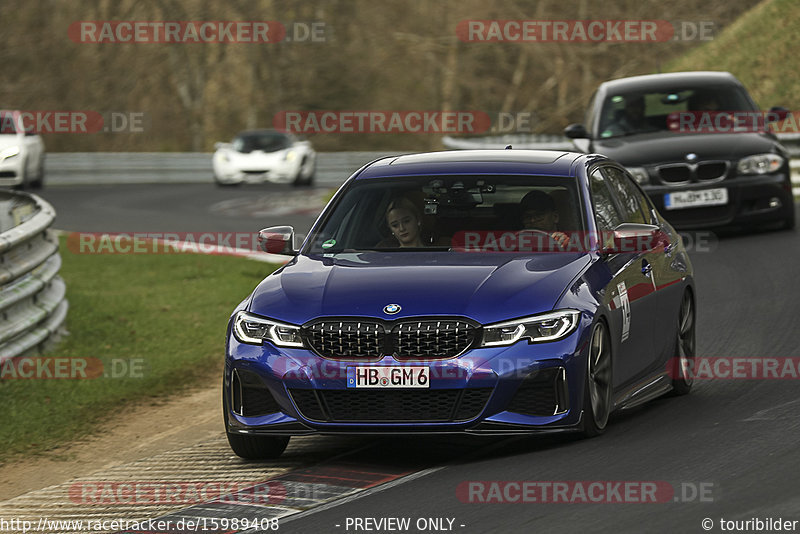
x: 508, y: 147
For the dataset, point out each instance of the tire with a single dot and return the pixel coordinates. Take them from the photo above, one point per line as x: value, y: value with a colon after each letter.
x: 38, y: 183
x: 788, y: 223
x: 23, y: 184
x: 225, y: 184
x: 684, y: 347
x: 597, y: 391
x: 252, y: 447
x: 305, y: 181
x: 257, y: 447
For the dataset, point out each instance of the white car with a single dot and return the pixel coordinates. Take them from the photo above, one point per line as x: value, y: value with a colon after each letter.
x: 264, y: 155
x: 21, y: 152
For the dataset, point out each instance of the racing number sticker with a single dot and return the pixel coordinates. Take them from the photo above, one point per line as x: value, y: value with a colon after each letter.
x: 626, y: 310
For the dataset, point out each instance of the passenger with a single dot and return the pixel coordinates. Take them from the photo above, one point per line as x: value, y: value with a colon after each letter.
x: 405, y: 222
x: 703, y: 101
x: 539, y: 213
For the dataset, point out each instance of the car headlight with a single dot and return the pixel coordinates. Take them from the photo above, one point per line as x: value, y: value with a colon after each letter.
x: 291, y: 155
x: 536, y: 329
x: 760, y: 164
x: 223, y: 157
x: 639, y: 174
x: 249, y: 328
x: 9, y: 152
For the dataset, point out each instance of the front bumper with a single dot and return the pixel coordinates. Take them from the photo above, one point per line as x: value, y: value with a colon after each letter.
x: 524, y: 388
x: 276, y: 172
x: 11, y: 171
x: 748, y: 203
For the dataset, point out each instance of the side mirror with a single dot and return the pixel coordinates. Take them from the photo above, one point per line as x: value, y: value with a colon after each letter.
x: 277, y: 240
x: 634, y: 237
x: 217, y: 146
x: 777, y: 114
x: 576, y: 131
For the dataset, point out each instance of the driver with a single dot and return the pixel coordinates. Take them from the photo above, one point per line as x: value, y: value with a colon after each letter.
x: 632, y: 118
x: 405, y: 222
x: 539, y: 213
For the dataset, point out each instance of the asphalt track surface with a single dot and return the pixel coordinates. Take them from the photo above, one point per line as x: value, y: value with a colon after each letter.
x: 184, y: 207
x: 729, y: 449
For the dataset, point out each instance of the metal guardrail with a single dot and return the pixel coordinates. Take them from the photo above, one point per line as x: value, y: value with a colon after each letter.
x: 32, y: 303
x: 77, y: 168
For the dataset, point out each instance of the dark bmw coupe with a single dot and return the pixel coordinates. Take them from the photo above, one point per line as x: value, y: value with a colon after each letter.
x: 697, y: 144
x: 486, y: 292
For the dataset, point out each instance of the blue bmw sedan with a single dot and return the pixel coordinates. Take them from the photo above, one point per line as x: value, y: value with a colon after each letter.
x: 486, y: 292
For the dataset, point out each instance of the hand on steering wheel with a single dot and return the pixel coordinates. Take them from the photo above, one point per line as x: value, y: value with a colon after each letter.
x: 559, y: 238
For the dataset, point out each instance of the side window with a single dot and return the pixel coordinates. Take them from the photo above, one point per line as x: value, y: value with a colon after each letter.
x: 634, y: 205
x: 605, y: 210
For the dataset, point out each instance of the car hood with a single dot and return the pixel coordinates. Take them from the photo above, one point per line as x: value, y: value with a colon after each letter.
x: 483, y: 287
x: 668, y: 147
x: 7, y: 140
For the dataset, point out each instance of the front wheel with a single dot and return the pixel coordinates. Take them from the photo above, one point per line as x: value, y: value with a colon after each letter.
x: 225, y: 184
x: 257, y: 447
x: 597, y: 386
x: 306, y: 172
x: 683, y: 361
x: 23, y: 183
x: 38, y: 183
x: 788, y: 223
x: 252, y: 447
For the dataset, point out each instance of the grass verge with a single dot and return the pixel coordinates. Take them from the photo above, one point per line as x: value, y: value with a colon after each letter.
x: 157, y: 323
x: 759, y: 48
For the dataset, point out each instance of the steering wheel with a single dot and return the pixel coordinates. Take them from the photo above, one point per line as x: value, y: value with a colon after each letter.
x: 538, y: 244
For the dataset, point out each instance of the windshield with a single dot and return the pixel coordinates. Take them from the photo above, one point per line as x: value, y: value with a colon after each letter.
x: 641, y: 112
x: 430, y: 213
x: 265, y: 141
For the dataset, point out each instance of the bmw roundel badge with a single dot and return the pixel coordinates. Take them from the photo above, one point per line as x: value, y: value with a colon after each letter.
x: 391, y: 309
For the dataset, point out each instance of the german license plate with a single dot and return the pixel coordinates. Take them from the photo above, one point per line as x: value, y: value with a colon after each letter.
x: 694, y: 199
x: 388, y: 377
